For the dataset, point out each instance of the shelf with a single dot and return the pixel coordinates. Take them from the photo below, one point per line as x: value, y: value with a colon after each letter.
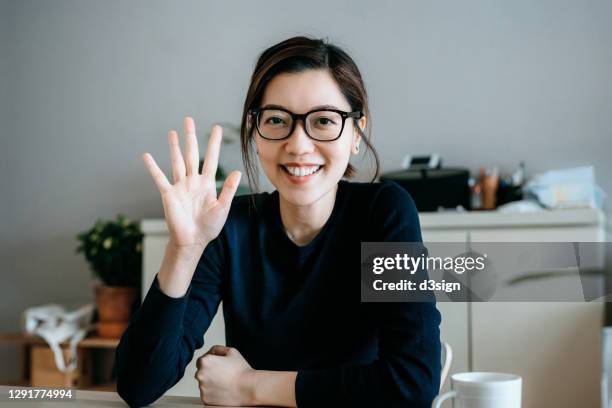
x: 88, y: 342
x: 95, y: 356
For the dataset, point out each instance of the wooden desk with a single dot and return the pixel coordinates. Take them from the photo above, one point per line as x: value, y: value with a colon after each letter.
x: 91, y: 399
x: 94, y: 399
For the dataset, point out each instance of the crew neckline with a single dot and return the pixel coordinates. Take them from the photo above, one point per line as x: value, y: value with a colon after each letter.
x: 278, y: 222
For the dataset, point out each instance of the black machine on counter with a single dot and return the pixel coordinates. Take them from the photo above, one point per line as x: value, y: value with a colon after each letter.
x: 432, y: 186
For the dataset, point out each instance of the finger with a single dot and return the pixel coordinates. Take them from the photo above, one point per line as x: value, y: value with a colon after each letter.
x: 159, y: 178
x: 229, y: 189
x: 218, y: 350
x: 212, y: 152
x: 192, y: 156
x: 178, y: 165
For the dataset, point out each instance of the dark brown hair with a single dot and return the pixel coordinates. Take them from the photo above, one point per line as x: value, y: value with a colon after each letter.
x: 296, y: 55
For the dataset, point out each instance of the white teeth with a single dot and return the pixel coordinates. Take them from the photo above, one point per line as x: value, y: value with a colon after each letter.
x: 302, y: 171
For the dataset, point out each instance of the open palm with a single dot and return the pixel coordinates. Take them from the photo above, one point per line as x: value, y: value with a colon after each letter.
x: 194, y: 214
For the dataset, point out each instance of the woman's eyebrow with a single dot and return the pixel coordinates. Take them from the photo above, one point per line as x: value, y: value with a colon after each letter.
x: 325, y: 107
x: 273, y: 106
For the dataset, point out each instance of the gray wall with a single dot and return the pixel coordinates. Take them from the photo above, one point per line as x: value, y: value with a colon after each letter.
x: 88, y: 86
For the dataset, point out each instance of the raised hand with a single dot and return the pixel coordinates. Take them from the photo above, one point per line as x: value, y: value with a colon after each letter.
x: 194, y: 214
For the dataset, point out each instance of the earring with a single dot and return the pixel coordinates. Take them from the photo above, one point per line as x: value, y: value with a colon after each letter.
x: 356, y: 149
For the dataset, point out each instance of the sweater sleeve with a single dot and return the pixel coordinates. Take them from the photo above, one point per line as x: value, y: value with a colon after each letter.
x: 164, y: 333
x: 407, y: 370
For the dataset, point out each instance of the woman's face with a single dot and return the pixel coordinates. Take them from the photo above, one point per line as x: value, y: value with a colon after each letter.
x: 300, y: 93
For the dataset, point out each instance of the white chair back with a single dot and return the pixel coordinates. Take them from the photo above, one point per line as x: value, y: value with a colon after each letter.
x: 447, y: 359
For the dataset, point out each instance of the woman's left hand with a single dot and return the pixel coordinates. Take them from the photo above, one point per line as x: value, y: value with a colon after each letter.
x: 225, y: 377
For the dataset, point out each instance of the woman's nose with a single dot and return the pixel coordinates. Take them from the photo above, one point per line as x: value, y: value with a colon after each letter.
x: 298, y: 141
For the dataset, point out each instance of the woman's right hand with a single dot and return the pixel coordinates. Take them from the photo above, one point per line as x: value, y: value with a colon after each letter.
x: 194, y: 214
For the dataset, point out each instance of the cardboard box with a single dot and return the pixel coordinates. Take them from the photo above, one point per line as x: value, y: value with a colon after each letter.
x: 44, y: 372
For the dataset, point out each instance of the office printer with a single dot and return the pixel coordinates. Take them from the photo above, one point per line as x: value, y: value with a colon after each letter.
x: 431, y: 186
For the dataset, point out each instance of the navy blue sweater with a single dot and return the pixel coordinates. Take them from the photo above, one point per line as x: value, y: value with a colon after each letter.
x: 295, y: 308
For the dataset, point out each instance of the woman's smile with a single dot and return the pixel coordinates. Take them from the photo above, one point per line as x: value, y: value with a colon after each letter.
x: 300, y: 173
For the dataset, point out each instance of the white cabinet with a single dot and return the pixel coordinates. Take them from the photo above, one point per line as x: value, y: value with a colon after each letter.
x: 553, y: 346
x: 154, y: 244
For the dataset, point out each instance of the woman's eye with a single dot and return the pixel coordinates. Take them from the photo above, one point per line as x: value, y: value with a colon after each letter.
x: 325, y: 121
x: 275, y: 121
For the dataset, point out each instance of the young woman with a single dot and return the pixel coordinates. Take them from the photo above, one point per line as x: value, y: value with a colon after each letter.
x: 285, y: 264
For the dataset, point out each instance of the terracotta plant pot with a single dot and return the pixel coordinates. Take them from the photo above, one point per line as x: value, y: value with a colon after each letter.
x: 114, y: 305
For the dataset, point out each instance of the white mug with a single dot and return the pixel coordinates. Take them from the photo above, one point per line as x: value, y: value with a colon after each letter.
x: 483, y: 390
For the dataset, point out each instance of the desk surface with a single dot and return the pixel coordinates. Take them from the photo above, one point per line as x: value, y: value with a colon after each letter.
x: 91, y: 399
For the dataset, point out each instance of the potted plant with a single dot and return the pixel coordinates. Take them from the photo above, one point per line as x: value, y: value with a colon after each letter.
x: 113, y: 250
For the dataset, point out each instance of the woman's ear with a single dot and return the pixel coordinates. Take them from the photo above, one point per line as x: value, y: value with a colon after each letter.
x: 362, y: 122
x: 357, y: 135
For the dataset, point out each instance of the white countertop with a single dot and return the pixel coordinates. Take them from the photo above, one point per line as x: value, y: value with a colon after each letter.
x: 496, y: 219
x: 468, y: 219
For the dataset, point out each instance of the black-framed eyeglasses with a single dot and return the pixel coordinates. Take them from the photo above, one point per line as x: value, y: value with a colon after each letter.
x: 324, y: 125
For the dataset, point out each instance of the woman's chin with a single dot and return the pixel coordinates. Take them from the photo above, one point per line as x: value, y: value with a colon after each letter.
x: 298, y: 197
x: 303, y: 195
